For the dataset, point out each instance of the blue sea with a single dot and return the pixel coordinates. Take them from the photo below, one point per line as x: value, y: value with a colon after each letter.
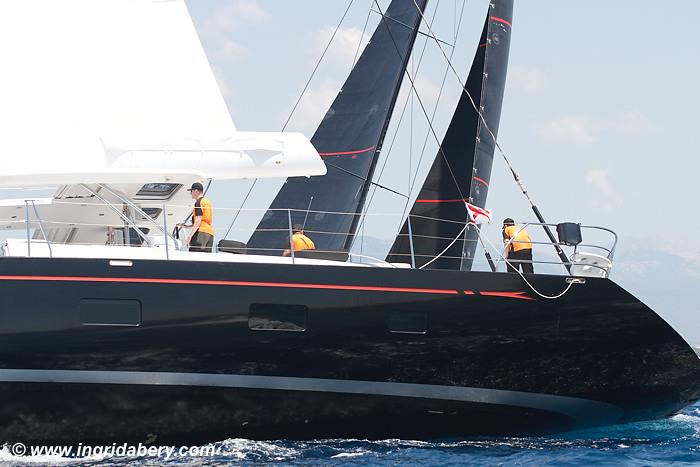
x: 675, y: 440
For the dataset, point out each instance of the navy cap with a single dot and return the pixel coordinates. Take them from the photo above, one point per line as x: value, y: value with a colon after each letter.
x: 196, y: 186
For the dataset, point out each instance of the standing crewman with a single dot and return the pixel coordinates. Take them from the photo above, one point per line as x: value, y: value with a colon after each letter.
x: 202, y: 236
x: 518, y: 247
x: 299, y: 241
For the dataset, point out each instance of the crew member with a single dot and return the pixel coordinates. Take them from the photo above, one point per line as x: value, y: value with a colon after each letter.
x: 519, y: 247
x: 299, y: 241
x: 202, y: 235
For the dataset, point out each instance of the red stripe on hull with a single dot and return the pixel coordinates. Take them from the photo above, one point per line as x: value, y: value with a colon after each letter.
x: 144, y: 280
x: 519, y: 295
x: 367, y: 288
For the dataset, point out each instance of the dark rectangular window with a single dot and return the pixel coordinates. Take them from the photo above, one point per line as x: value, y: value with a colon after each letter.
x: 408, y: 322
x: 152, y: 212
x: 134, y: 238
x: 274, y: 317
x: 158, y: 191
x: 107, y: 312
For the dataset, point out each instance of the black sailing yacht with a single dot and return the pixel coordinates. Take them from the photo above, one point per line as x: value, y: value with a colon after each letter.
x: 136, y: 339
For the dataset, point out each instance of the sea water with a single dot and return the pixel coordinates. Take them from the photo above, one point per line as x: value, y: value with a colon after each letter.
x: 673, y: 440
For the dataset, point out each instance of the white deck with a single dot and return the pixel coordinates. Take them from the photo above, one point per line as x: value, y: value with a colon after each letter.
x: 40, y: 249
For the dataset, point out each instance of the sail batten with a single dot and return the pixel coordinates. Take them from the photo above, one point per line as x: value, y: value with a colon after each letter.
x: 349, y: 139
x: 461, y: 171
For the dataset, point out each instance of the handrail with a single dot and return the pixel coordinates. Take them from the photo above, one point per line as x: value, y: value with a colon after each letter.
x: 127, y: 201
x: 26, y: 220
x: 119, y: 213
x: 606, y: 246
x: 41, y: 227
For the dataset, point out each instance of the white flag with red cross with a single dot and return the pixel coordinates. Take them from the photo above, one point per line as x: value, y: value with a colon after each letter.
x: 478, y: 215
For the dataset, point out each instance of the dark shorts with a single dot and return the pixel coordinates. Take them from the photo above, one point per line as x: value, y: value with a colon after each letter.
x: 202, y: 242
x: 521, y: 259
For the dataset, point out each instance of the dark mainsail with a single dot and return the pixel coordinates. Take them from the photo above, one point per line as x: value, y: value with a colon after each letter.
x: 462, y: 169
x: 349, y: 139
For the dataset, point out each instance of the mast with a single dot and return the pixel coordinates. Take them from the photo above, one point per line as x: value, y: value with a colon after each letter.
x: 461, y: 171
x: 349, y: 139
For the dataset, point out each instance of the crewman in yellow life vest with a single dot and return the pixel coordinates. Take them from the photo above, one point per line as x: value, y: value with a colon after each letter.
x: 201, y: 238
x: 518, y: 247
x: 299, y: 241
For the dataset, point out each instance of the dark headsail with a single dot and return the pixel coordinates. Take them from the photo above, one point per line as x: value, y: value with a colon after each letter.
x: 349, y: 139
x: 462, y: 169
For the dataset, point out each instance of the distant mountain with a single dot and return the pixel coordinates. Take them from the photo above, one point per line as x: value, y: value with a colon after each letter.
x: 664, y: 280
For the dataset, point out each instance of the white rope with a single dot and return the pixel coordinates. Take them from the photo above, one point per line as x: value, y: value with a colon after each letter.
x: 532, y: 287
x: 447, y: 248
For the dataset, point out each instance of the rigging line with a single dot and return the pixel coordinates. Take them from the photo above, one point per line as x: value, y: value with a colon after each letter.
x: 432, y: 118
x: 410, y: 126
x: 318, y: 63
x: 515, y: 175
x: 478, y: 111
x: 306, y: 216
x: 296, y: 104
x: 364, y: 29
x: 455, y: 21
x: 405, y: 105
x: 394, y: 98
x: 245, y: 199
x: 365, y: 180
x: 442, y: 86
x: 425, y: 112
x: 409, y: 27
x: 398, y: 126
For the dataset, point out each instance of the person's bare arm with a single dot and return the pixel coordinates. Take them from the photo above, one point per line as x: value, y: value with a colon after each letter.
x: 195, y: 227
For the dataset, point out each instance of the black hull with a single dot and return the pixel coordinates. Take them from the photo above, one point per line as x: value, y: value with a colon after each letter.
x: 494, y: 359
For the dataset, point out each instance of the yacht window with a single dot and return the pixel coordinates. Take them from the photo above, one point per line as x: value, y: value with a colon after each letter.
x: 134, y: 238
x: 408, y: 322
x: 153, y: 212
x: 159, y: 191
x: 274, y: 317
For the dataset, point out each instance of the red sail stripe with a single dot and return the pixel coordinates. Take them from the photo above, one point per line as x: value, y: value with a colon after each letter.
x: 501, y: 20
x: 441, y: 200
x: 483, y: 45
x: 520, y: 295
x: 142, y: 280
x: 481, y: 180
x: 345, y: 153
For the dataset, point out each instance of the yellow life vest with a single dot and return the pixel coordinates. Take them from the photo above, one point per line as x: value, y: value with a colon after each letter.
x: 519, y: 238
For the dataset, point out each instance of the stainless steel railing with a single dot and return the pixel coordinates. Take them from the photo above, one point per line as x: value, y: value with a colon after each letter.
x: 600, y: 240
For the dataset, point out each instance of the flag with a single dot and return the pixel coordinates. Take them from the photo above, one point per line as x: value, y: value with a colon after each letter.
x: 478, y: 215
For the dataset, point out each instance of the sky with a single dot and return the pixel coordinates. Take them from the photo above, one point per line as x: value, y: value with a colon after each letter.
x: 598, y: 117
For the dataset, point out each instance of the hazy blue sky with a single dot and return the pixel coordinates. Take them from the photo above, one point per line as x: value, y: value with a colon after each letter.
x: 599, y: 115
